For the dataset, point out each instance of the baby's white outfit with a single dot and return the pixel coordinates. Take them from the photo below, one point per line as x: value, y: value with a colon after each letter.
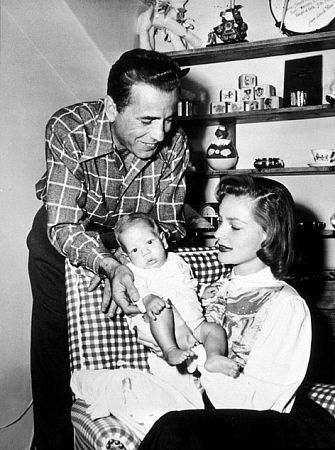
x: 172, y: 281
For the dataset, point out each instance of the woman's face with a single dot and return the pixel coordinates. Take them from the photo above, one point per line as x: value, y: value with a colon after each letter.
x: 239, y: 236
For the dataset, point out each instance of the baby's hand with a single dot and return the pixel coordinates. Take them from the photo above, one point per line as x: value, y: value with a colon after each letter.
x: 210, y: 291
x: 154, y: 305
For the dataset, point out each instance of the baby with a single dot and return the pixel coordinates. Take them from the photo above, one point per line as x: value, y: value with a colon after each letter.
x: 168, y: 297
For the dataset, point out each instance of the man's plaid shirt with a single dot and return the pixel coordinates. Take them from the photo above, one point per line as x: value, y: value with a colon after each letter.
x: 87, y: 183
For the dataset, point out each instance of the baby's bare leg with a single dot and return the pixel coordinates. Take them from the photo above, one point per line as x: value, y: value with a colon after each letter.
x: 184, y: 336
x: 163, y: 330
x: 214, y: 340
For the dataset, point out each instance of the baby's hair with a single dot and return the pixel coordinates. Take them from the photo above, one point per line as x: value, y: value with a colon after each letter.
x: 124, y: 222
x: 273, y: 209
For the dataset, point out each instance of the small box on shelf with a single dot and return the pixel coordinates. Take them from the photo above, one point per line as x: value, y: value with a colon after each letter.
x: 247, y: 80
x: 273, y: 102
x: 235, y: 106
x: 228, y: 95
x: 246, y: 94
x: 264, y: 91
x: 254, y: 105
x: 218, y: 107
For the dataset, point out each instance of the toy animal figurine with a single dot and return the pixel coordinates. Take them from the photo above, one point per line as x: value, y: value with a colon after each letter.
x: 168, y: 16
x: 221, y: 146
x: 221, y: 153
x: 232, y: 28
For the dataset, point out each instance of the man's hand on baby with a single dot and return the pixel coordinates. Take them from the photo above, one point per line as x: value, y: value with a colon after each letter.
x: 121, y: 256
x: 124, y: 292
x: 119, y: 286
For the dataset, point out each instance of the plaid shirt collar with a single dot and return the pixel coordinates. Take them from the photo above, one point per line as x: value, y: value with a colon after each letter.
x: 102, y: 142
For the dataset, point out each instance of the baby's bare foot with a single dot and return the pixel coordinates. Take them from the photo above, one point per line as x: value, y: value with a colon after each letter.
x: 222, y: 364
x: 175, y: 356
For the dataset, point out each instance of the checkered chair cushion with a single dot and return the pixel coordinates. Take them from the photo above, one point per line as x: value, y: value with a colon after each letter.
x: 324, y: 394
x: 97, y: 342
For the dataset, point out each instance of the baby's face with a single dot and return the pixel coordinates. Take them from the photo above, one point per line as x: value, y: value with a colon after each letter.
x: 144, y: 246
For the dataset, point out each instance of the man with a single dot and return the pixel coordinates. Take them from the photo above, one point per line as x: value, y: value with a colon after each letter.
x: 105, y: 159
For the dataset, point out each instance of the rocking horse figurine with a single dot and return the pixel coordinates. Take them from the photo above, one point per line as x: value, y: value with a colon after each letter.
x: 168, y: 16
x: 232, y: 28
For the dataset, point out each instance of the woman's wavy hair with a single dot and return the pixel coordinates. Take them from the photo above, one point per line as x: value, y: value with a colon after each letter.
x: 274, y: 210
x: 141, y: 66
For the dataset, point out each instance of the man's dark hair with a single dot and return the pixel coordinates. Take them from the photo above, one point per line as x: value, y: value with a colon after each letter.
x: 141, y: 66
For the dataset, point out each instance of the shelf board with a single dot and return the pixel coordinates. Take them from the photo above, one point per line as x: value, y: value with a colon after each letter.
x: 257, y: 49
x: 287, y: 171
x: 328, y: 233
x: 264, y: 115
x: 324, y: 233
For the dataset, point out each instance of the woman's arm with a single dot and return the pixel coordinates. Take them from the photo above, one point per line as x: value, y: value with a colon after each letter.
x: 276, y: 365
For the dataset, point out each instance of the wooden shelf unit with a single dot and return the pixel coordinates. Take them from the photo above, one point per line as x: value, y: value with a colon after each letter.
x: 286, y: 171
x: 312, y: 42
x: 257, y: 49
x: 264, y: 115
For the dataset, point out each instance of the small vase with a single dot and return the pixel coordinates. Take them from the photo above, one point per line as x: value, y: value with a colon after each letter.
x: 221, y: 153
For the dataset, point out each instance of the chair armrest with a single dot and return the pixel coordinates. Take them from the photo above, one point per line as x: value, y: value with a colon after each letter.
x: 100, y: 434
x: 324, y: 395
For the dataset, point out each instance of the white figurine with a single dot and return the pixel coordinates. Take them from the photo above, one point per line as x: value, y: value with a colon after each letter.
x: 166, y: 15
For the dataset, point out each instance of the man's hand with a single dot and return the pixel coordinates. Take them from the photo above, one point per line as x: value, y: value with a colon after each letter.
x: 119, y: 290
x: 106, y: 296
x: 123, y: 292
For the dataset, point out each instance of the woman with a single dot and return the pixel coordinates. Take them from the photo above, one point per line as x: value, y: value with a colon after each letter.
x: 269, y: 334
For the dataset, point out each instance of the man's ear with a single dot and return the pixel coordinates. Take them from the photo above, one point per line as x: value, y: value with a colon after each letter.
x: 163, y: 238
x: 110, y: 108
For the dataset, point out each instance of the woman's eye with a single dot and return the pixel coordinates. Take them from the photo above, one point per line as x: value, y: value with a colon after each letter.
x: 134, y: 250
x: 235, y: 228
x: 150, y: 241
x: 146, y: 121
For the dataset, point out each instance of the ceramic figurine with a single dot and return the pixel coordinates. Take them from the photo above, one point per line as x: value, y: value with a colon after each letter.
x: 232, y: 28
x: 221, y: 153
x: 167, y: 16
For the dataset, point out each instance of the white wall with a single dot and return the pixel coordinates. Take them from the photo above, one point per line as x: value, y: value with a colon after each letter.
x: 48, y: 60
